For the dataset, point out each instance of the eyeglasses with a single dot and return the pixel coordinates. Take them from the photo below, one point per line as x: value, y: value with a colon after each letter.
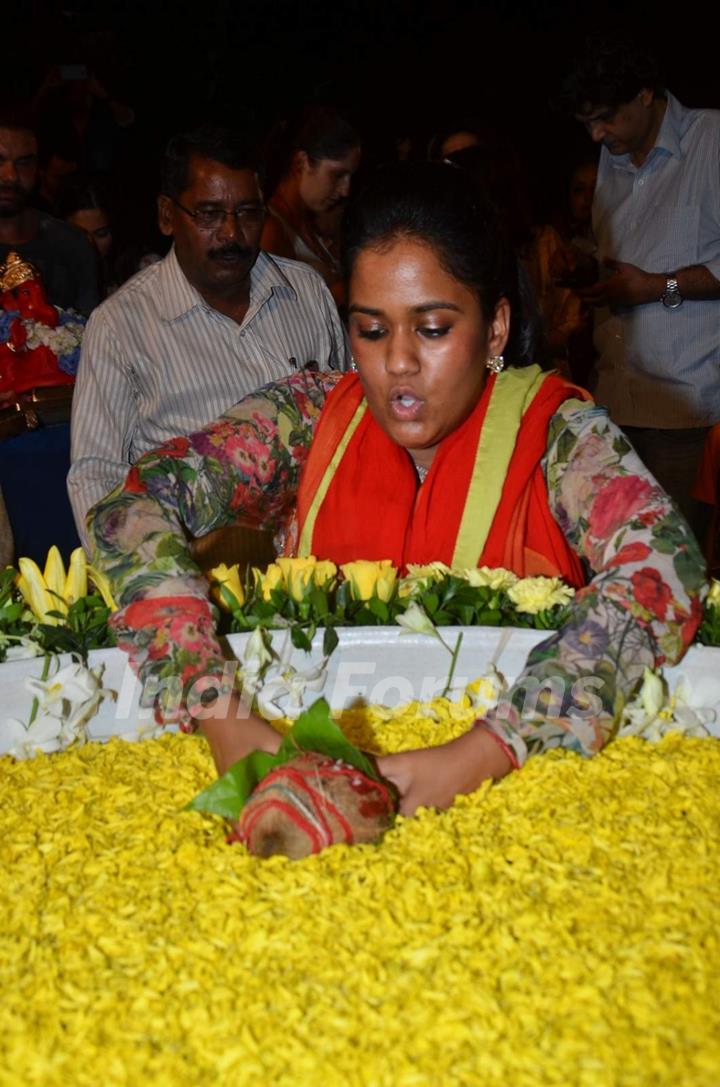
x: 211, y: 218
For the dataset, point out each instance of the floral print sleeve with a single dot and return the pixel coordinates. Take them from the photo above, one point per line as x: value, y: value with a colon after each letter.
x: 641, y: 608
x: 243, y: 468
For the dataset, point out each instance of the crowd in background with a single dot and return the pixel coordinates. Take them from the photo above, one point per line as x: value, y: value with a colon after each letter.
x: 86, y: 156
x: 96, y: 173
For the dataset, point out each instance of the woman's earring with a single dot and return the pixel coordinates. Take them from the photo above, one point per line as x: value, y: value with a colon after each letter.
x: 496, y: 363
x: 353, y: 365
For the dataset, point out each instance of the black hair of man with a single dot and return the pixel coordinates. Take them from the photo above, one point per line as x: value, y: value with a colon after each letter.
x: 225, y: 145
x: 17, y: 118
x: 610, y: 72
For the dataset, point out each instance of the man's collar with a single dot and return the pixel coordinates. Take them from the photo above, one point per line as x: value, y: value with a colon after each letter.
x: 671, y: 129
x: 266, y: 278
x: 178, y: 296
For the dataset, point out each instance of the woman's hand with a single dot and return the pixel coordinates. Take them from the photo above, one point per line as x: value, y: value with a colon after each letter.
x: 236, y: 733
x: 431, y: 777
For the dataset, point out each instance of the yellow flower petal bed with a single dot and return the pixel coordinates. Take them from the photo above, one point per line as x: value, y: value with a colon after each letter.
x: 559, y: 928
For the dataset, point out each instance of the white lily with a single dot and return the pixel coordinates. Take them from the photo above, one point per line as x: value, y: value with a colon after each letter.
x: 653, y: 713
x: 27, y: 741
x: 290, y: 684
x: 257, y: 655
x: 653, y: 693
x: 24, y: 649
x: 72, y: 697
x: 256, y: 658
x: 415, y: 620
x: 72, y: 684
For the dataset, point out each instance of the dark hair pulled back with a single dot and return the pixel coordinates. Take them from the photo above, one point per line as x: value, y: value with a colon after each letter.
x: 320, y: 131
x: 441, y: 206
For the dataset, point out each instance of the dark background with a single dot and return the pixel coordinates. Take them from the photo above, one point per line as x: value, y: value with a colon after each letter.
x: 397, y: 67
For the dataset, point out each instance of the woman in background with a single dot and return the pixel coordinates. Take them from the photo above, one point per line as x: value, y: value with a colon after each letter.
x: 311, y: 161
x: 83, y: 205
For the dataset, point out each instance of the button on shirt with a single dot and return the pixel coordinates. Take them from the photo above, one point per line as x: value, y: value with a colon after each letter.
x: 660, y: 367
x: 158, y: 362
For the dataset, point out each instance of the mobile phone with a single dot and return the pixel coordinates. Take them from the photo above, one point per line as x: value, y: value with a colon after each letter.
x: 73, y: 73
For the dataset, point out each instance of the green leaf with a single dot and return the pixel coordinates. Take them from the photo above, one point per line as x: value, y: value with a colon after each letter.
x: 315, y: 730
x: 364, y: 617
x: 319, y: 603
x: 278, y: 599
x: 343, y: 596
x: 330, y: 641
x: 264, y: 609
x: 379, y: 608
x: 300, y: 639
x: 430, y: 602
x: 229, y: 794
x: 490, y: 617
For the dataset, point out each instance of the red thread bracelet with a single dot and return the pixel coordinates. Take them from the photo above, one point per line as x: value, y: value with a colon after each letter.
x: 514, y: 761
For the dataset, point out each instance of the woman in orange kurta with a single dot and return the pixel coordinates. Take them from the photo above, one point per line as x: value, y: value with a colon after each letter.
x: 435, y: 449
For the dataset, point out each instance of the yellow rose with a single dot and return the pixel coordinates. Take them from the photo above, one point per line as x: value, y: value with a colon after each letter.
x: 713, y: 597
x: 324, y: 574
x: 298, y: 574
x: 228, y: 578
x: 270, y: 579
x: 531, y: 595
x: 491, y: 577
x: 368, y: 579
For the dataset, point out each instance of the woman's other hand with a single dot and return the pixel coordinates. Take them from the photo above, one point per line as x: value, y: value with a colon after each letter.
x: 431, y: 777
x: 235, y: 732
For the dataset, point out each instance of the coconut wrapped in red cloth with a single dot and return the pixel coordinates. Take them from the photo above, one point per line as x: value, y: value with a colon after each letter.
x: 312, y: 802
x: 317, y: 791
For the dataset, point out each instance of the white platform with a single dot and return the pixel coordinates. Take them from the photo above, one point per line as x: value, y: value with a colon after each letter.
x: 371, y: 664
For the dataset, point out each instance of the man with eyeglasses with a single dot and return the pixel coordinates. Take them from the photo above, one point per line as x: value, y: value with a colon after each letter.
x: 186, y: 338
x: 656, y: 217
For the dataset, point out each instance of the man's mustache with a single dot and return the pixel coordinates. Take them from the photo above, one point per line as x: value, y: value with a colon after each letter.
x: 232, y: 250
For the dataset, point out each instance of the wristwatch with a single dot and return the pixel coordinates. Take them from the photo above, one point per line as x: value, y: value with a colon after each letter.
x: 671, y: 297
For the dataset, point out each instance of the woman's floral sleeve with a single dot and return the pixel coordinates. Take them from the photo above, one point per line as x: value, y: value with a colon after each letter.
x: 641, y: 608
x: 243, y: 467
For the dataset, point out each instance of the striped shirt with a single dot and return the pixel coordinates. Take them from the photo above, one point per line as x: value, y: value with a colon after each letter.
x: 158, y: 362
x: 660, y: 367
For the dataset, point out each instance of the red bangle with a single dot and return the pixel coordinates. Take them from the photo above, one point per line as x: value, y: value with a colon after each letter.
x: 514, y: 761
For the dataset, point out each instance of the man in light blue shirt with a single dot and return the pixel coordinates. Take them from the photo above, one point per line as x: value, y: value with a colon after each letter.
x: 656, y: 216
